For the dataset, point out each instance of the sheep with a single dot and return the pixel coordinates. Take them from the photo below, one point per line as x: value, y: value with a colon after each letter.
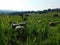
x: 39, y: 21
x: 19, y: 27
x: 52, y: 23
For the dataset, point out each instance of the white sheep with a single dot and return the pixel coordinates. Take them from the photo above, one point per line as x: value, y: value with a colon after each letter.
x: 19, y: 27
x: 52, y: 23
x: 39, y: 21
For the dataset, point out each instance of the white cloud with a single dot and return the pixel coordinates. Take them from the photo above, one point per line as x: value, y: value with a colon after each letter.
x: 12, y: 4
x: 28, y: 4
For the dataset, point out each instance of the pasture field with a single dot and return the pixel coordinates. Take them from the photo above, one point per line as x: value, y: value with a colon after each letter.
x: 35, y: 33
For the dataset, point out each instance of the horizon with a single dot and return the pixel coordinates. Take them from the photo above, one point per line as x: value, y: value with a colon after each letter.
x: 27, y: 10
x: 28, y: 5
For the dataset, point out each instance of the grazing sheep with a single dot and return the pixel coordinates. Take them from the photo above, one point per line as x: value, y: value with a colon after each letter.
x: 15, y: 26
x: 39, y: 21
x: 52, y: 23
x: 19, y: 27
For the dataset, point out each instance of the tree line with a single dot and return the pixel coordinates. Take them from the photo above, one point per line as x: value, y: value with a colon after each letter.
x: 29, y: 12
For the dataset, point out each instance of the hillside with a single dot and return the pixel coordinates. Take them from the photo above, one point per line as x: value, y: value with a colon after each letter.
x: 35, y: 33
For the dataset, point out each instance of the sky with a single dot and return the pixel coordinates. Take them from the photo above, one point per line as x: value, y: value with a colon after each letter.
x: 28, y: 5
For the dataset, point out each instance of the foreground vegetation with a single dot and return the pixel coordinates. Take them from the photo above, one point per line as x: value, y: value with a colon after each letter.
x: 35, y: 33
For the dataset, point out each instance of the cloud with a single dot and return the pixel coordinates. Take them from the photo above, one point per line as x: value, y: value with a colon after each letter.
x: 28, y: 4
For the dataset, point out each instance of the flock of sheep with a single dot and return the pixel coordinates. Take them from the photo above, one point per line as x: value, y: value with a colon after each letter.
x: 22, y: 25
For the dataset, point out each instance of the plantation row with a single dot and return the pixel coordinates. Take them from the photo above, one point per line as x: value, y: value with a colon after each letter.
x: 35, y: 32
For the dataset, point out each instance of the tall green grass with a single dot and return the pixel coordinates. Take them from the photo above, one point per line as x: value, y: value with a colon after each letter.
x: 37, y: 33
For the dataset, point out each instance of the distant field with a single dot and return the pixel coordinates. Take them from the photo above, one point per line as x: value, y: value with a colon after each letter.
x: 38, y: 33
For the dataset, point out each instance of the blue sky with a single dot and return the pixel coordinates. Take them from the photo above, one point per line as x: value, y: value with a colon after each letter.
x: 25, y: 5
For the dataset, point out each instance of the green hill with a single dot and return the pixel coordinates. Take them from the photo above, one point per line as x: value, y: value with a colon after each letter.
x: 35, y: 32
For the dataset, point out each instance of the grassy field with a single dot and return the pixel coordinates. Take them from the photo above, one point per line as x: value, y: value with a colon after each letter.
x: 35, y: 33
